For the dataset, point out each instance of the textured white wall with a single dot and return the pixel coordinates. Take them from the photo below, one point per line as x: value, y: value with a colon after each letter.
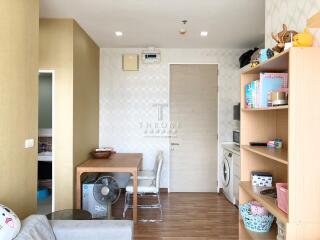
x: 294, y: 13
x: 126, y: 98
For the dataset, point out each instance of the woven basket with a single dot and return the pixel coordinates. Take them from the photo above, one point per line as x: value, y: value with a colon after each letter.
x: 101, y: 154
x: 255, y: 223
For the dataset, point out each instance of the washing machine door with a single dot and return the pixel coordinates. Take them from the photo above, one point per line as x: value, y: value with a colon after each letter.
x: 226, y: 172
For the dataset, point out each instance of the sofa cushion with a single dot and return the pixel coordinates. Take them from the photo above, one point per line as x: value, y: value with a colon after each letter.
x: 9, y: 223
x: 36, y: 227
x: 92, y: 229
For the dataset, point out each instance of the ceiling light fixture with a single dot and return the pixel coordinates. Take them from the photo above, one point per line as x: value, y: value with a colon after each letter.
x: 118, y: 34
x: 204, y: 34
x: 183, y: 30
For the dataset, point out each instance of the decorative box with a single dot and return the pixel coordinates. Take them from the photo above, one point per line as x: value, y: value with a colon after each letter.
x: 261, y: 179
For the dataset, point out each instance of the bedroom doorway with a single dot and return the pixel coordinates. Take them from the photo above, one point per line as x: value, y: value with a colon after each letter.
x: 45, y: 191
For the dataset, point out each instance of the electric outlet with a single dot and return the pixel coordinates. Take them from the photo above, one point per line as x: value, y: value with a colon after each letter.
x: 29, y: 143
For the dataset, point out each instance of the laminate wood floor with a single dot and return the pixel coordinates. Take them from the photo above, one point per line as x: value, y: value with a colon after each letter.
x: 188, y: 216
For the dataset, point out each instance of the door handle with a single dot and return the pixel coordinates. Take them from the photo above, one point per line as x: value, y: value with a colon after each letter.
x: 175, y: 144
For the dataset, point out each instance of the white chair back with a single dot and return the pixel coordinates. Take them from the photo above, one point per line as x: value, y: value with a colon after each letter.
x: 156, y: 162
x: 159, y: 162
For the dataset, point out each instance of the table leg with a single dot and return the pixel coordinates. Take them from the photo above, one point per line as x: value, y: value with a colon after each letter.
x: 78, y: 190
x: 135, y: 196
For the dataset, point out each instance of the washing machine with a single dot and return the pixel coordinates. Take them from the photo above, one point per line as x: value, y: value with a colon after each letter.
x: 227, y: 175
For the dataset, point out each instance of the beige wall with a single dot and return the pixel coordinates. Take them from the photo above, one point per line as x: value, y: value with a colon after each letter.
x: 294, y: 13
x: 85, y: 95
x: 18, y: 103
x: 67, y: 49
x: 56, y: 53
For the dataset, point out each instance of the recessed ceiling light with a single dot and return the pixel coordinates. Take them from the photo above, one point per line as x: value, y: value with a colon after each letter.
x: 204, y: 34
x: 118, y: 34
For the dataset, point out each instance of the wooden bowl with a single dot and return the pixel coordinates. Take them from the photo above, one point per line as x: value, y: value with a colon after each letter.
x: 101, y: 154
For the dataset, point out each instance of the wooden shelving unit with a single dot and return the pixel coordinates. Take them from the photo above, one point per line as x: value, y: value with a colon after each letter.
x: 298, y: 125
x: 268, y: 202
x: 266, y: 109
x: 279, y: 155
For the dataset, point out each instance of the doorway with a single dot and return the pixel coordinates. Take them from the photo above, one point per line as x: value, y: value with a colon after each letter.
x: 194, y: 108
x: 45, y: 193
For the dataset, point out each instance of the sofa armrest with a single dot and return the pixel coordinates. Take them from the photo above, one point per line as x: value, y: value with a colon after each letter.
x: 92, y: 229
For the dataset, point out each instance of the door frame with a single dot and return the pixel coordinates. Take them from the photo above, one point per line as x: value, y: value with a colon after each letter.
x: 53, y: 203
x: 218, y: 110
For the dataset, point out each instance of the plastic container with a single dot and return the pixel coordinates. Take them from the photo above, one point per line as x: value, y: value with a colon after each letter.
x: 42, y: 194
x: 282, y: 196
x: 255, y: 223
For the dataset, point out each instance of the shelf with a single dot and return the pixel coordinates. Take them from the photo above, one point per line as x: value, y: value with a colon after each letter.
x: 247, y: 234
x: 266, y: 109
x: 279, y: 155
x: 278, y: 63
x: 268, y: 202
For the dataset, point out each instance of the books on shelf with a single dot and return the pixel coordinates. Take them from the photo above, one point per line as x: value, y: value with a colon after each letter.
x: 248, y: 96
x: 258, y: 92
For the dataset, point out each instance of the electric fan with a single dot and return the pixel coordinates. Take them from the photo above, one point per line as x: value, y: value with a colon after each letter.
x: 106, y: 191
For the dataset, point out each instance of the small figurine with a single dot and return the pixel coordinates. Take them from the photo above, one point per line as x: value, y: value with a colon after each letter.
x: 255, y: 58
x: 282, y: 38
x: 304, y: 39
x: 254, y: 63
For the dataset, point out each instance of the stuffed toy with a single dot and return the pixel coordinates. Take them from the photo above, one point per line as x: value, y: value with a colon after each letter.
x: 282, y: 38
x: 9, y: 223
x: 304, y: 39
x: 265, y: 55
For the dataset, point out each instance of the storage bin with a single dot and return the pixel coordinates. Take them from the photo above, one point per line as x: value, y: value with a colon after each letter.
x: 42, y: 194
x: 282, y: 196
x: 261, y: 179
x: 254, y: 223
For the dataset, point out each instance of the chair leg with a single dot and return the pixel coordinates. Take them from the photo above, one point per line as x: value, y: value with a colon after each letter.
x: 127, y: 205
x: 160, y: 207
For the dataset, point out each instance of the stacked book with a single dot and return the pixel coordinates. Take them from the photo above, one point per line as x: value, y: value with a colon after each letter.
x: 258, y: 92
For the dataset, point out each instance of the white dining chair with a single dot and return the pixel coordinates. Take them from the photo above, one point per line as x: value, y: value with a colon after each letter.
x: 150, y: 174
x: 146, y: 188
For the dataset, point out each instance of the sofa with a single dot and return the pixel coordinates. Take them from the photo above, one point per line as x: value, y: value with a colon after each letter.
x: 38, y: 227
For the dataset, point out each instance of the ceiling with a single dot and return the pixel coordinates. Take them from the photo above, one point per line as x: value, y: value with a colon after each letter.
x: 230, y: 23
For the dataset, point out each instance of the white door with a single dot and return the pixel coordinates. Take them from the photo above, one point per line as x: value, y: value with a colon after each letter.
x: 194, y: 105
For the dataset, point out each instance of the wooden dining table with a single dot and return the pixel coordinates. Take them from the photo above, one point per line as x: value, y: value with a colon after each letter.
x: 117, y: 162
